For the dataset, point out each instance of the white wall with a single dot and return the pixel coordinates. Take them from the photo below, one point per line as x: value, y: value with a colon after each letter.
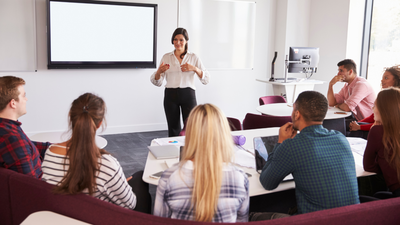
x: 314, y: 23
x: 355, y: 31
x: 328, y: 31
x: 134, y: 104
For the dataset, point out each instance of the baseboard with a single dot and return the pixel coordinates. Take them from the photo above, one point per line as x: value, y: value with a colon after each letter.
x: 117, y: 129
x: 133, y: 128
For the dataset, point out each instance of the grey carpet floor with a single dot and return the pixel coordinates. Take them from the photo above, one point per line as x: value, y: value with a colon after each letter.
x: 130, y: 149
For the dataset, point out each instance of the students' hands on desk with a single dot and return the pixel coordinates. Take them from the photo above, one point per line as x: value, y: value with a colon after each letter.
x: 286, y: 131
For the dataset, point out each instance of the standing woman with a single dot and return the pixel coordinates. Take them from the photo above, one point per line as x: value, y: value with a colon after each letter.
x: 382, y: 154
x: 179, y: 68
x: 205, y: 186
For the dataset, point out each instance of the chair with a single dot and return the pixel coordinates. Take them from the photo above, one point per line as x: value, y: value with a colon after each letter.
x: 254, y: 121
x: 271, y: 99
x: 234, y: 124
x: 183, y: 131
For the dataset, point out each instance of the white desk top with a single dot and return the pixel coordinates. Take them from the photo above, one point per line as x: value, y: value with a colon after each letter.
x: 292, y: 82
x: 58, y: 137
x: 50, y: 218
x: 285, y: 109
x: 154, y: 166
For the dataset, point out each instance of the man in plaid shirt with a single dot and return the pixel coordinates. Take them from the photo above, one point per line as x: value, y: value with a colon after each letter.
x: 17, y: 152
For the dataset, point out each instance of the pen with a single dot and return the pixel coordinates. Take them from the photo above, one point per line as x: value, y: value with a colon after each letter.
x: 340, y: 113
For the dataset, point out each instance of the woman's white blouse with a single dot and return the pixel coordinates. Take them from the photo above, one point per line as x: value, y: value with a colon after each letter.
x: 175, y: 77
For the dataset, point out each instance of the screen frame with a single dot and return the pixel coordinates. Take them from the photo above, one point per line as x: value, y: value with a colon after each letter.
x: 298, y: 67
x: 101, y: 64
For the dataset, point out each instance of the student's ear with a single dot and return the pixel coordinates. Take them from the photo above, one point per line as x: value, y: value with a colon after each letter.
x: 98, y: 126
x: 13, y: 104
x: 297, y: 115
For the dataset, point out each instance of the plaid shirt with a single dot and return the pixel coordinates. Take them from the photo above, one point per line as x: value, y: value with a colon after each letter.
x: 17, y: 152
x: 174, y: 195
x: 322, y: 165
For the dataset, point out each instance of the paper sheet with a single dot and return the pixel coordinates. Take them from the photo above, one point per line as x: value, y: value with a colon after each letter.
x: 244, y: 157
x: 357, y: 145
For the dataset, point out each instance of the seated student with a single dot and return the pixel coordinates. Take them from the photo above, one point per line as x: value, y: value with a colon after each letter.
x: 79, y: 166
x: 382, y: 154
x: 356, y: 96
x: 390, y: 78
x: 320, y: 160
x: 205, y: 186
x: 17, y: 151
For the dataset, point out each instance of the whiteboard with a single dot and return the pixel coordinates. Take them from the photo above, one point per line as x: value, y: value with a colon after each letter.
x: 17, y: 35
x: 221, y: 32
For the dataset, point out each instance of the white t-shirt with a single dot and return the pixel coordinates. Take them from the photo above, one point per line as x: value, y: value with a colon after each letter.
x: 111, y: 184
x: 175, y: 77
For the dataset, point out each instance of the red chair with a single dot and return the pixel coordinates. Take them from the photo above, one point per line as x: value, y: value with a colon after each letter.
x: 271, y: 99
x: 255, y: 121
x: 234, y: 124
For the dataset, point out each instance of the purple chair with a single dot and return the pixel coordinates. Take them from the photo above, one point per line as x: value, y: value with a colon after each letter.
x: 271, y: 99
x: 183, y: 131
x: 234, y: 124
x: 255, y: 121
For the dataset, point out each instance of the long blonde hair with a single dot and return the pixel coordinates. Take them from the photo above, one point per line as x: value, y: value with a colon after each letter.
x: 388, y: 104
x: 209, y: 145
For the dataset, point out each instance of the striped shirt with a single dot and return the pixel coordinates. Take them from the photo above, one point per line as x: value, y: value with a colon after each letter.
x: 111, y: 184
x: 174, y: 195
x: 322, y: 165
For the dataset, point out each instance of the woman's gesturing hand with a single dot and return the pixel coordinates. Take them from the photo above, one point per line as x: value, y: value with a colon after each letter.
x: 187, y: 67
x: 163, y: 67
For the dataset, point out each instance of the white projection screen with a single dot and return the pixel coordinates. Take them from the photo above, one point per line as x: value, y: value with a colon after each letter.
x: 101, y: 34
x: 221, y: 32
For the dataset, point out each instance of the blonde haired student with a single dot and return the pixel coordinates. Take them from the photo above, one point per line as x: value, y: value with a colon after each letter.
x: 205, y: 186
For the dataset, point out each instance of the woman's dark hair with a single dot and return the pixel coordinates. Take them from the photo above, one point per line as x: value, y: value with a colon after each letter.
x: 85, y: 117
x: 185, y: 34
x: 395, y: 71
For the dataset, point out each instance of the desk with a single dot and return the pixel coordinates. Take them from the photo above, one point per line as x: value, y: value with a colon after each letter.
x: 285, y: 109
x: 332, y: 121
x: 293, y: 88
x: 58, y: 137
x: 50, y: 218
x: 153, y: 165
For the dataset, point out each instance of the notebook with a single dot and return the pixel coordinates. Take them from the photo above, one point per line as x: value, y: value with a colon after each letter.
x: 164, y: 151
x: 263, y: 146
